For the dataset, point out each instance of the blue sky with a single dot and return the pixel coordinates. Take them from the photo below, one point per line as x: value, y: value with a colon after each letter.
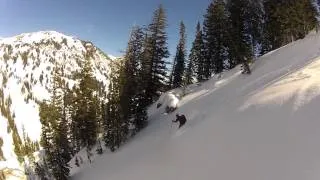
x: 106, y: 23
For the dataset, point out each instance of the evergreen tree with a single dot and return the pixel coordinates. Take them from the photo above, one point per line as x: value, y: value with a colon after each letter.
x: 255, y: 25
x: 129, y: 77
x: 86, y: 108
x: 53, y: 154
x: 46, y: 114
x: 189, y: 72
x: 54, y: 138
x: 72, y: 97
x: 100, y: 98
x: 27, y: 147
x: 139, y: 100
x: 60, y: 102
x: 112, y: 123
x: 155, y: 52
x: 140, y: 119
x: 41, y: 171
x: 179, y: 65
x: 304, y: 18
x: 173, y: 64
x: 286, y: 21
x: 241, y: 51
x: 216, y: 26
x: 209, y: 42
x: 60, y: 167
x: 272, y: 26
x: 197, y: 57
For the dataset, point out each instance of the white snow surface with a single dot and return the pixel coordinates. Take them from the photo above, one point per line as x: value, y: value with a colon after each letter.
x: 263, y: 126
x: 169, y: 99
x: 44, y: 51
x: 112, y: 57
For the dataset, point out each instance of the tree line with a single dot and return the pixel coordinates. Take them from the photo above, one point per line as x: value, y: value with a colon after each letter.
x: 237, y: 32
x: 233, y: 32
x: 75, y: 119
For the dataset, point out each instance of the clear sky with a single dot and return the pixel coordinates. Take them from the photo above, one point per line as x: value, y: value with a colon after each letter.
x: 106, y: 23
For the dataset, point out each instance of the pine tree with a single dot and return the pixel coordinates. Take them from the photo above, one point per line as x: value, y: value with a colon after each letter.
x: 173, y: 64
x: 85, y: 112
x: 189, y: 73
x: 209, y: 42
x: 286, y: 21
x: 272, y: 26
x: 140, y: 119
x: 129, y: 76
x: 63, y: 138
x: 54, y: 138
x: 112, y: 123
x: 60, y: 102
x: 45, y: 114
x: 41, y: 171
x: 60, y: 167
x: 241, y: 51
x: 303, y: 19
x: 140, y: 104
x: 27, y: 147
x: 155, y: 52
x: 255, y: 25
x: 53, y: 154
x: 72, y: 98
x: 216, y: 27
x: 179, y: 65
x: 100, y: 107
x: 197, y: 56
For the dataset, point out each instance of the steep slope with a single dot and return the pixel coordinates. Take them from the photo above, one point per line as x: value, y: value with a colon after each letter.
x: 263, y: 126
x: 27, y: 63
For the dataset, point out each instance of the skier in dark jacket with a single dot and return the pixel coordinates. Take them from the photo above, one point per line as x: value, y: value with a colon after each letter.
x: 181, y: 119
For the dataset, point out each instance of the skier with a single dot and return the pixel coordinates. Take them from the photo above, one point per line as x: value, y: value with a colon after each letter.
x: 181, y: 119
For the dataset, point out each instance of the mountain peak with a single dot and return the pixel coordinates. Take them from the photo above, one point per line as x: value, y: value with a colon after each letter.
x: 27, y: 63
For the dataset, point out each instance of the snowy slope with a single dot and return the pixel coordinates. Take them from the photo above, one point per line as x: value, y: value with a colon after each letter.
x: 112, y: 57
x: 259, y: 127
x: 27, y: 62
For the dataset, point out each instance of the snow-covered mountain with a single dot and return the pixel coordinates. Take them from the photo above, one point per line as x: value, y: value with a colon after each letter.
x: 246, y: 127
x: 27, y: 62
